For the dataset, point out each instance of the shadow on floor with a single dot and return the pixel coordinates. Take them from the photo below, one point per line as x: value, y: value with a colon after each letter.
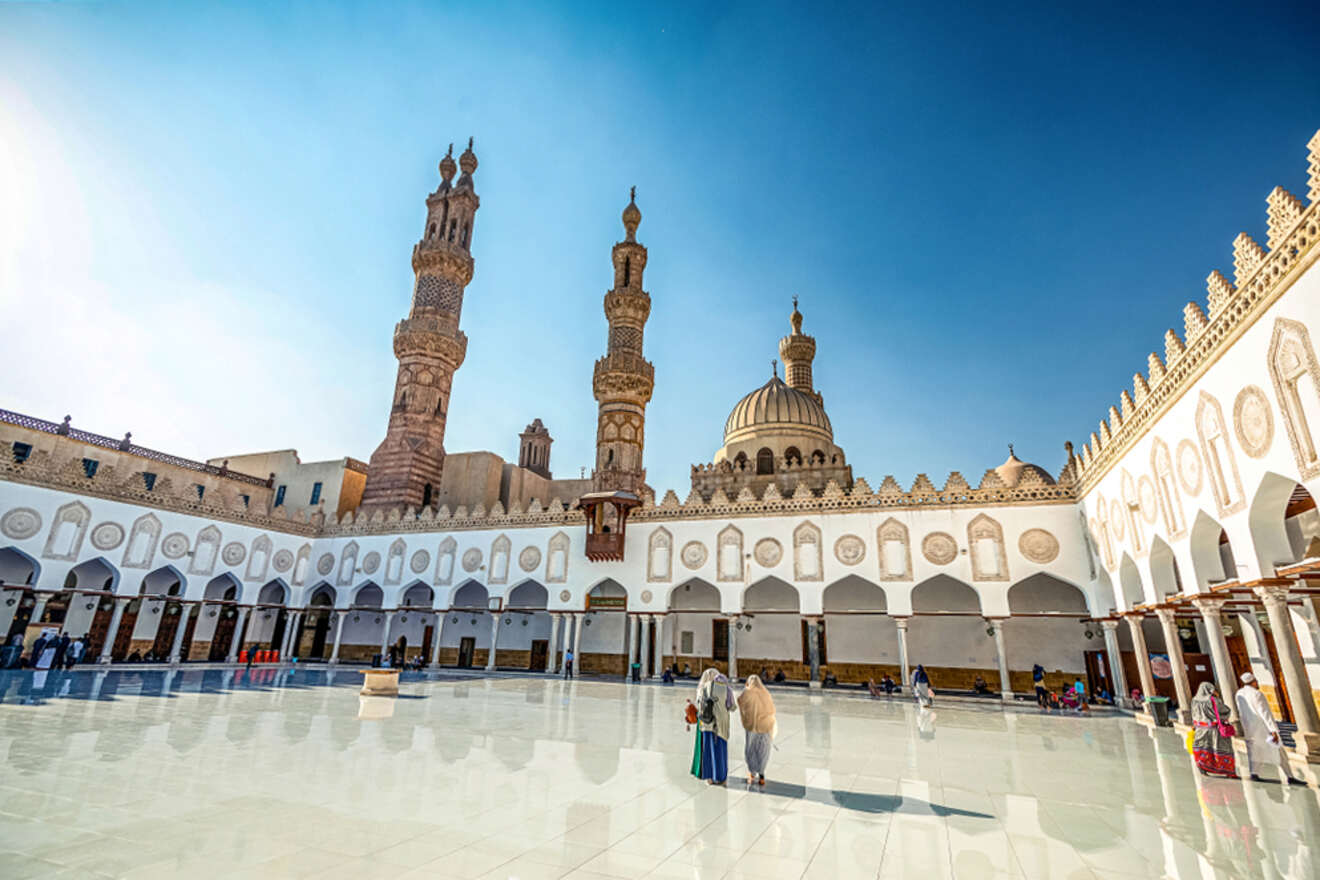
x: 863, y: 803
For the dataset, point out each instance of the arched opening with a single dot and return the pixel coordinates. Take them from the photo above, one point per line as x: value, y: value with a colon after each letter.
x: 773, y: 633
x: 793, y: 456
x: 154, y: 637
x: 217, y: 630
x: 817, y: 457
x: 695, y: 624
x: 604, y: 632
x: 863, y: 639
x: 426, y: 495
x: 1284, y: 524
x: 270, y: 618
x: 17, y: 568
x: 314, y: 639
x: 368, y: 596
x: 1048, y: 625
x: 1129, y: 580
x: 465, y: 637
x: 1212, y: 555
x: 94, y: 575
x: 1164, y: 575
x: 525, y: 639
x: 740, y: 461
x: 948, y: 636
x: 943, y: 594
x: 765, y: 461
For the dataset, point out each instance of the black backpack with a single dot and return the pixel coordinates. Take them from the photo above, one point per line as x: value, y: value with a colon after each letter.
x: 707, y: 715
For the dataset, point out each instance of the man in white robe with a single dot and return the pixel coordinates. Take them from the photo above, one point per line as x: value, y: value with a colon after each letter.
x: 1261, y: 731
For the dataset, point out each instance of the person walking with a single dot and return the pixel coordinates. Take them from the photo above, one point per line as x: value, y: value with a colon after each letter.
x: 568, y: 663
x: 37, y: 647
x: 1261, y: 732
x: 75, y: 653
x: 714, y: 703
x: 1038, y: 679
x: 921, y: 688
x: 756, y: 710
x: 1212, y: 737
x: 61, y: 648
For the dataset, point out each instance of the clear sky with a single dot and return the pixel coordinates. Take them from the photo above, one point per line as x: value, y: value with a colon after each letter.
x: 991, y: 217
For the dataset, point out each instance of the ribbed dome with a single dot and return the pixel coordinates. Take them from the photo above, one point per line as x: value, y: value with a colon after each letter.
x: 775, y: 404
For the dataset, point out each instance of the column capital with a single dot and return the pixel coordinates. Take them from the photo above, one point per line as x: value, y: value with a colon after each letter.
x: 902, y: 622
x: 1166, y: 615
x: 1111, y: 625
x: 1209, y: 605
x: 1272, y: 594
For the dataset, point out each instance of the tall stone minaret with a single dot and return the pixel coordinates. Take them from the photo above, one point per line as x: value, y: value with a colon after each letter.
x: 623, y: 379
x: 405, y: 468
x: 797, y: 351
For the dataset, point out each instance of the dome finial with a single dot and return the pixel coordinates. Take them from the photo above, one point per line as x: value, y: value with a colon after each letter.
x: 774, y: 367
x: 1010, y: 451
x: 795, y: 319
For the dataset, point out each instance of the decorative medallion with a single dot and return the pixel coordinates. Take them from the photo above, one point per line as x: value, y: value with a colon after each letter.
x: 850, y: 549
x: 326, y: 563
x: 1189, y: 467
x: 370, y: 562
x: 1254, y: 421
x: 939, y: 548
x: 646, y: 597
x: 529, y: 558
x: 175, y: 545
x: 234, y: 553
x: 283, y: 560
x: 768, y: 552
x: 1117, y: 522
x: 1150, y: 505
x: 1039, y: 546
x: 471, y: 559
x: 20, y: 523
x: 565, y: 595
x: 420, y: 560
x: 694, y: 554
x: 107, y: 536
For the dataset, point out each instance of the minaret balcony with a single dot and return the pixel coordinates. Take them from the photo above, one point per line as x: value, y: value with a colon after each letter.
x: 436, y: 335
x: 445, y: 256
x: 623, y: 373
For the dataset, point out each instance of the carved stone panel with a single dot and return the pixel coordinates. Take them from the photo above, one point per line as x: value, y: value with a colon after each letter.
x: 1253, y: 421
x: 142, y: 540
x: 67, y: 531
x: 939, y: 548
x: 850, y: 549
x: 893, y: 551
x: 1039, y: 546
x: 529, y: 558
x: 808, y: 554
x: 660, y: 556
x: 282, y: 561
x: 420, y: 561
x: 174, y: 545
x: 768, y: 552
x: 233, y: 554
x: 694, y: 555
x: 325, y: 564
x: 370, y: 562
x: 108, y: 535
x: 21, y: 523
x: 1189, y: 467
x: 471, y: 559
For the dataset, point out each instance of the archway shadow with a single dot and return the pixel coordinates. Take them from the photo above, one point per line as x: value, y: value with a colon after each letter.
x: 862, y: 802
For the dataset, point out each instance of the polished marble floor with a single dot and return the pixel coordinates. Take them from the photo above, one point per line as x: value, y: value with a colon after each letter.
x: 219, y: 773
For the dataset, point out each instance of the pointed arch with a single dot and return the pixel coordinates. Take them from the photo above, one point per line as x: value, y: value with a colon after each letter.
x: 206, y: 549
x: 394, y: 561
x: 694, y: 595
x: 274, y: 592
x: 556, y: 559
x: 164, y: 581
x: 1165, y: 579
x: 17, y: 568
x: 1208, y: 558
x: 500, y: 549
x: 808, y: 553
x: 1166, y: 489
x: 347, y: 564
x: 529, y: 595
x: 945, y: 594
x: 1217, y: 453
x: 470, y: 596
x: 444, y: 562
x: 1276, y: 499
x: 729, y: 554
x: 418, y: 595
x: 854, y: 593
x: 259, y: 559
x: 224, y: 587
x: 1296, y: 377
x: 1042, y: 593
x: 322, y: 596
x: 140, y: 548
x: 301, y: 563
x: 660, y: 556
x: 985, y: 542
x: 93, y: 575
x: 1129, y: 581
x: 368, y: 595
x: 771, y: 594
x: 895, y: 556
x: 67, y: 530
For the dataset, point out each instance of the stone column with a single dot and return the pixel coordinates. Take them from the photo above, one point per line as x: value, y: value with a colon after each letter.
x: 39, y: 608
x: 552, y: 661
x: 902, y: 623
x: 1143, y: 655
x: 339, y: 634
x: 494, y: 637
x: 385, y: 637
x: 107, y: 649
x: 1005, y: 683
x: 236, y: 642
x: 647, y: 624
x: 176, y: 649
x: 1214, y: 630
x: 1307, y: 737
x: 7, y: 611
x: 1118, y: 679
x: 1174, y: 645
x: 635, y: 649
x: 813, y: 651
x: 733, y: 649
x: 290, y: 631
x: 577, y: 643
x: 435, y: 639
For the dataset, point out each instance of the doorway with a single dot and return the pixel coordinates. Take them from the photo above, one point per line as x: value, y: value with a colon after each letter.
x: 124, y: 635
x: 427, y: 635
x: 277, y: 634
x: 820, y: 637
x: 223, y: 635
x: 467, y: 646
x: 169, y: 625
x: 1281, y: 687
x: 719, y: 640
x: 540, y: 650
x: 320, y: 635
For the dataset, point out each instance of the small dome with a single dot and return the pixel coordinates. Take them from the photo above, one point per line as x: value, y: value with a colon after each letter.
x: 775, y: 404
x: 632, y: 216
x: 1012, y: 471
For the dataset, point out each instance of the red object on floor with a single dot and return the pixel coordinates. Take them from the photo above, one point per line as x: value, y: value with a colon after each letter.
x: 242, y: 656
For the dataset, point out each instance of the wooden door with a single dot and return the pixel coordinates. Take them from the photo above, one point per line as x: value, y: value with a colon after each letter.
x: 1238, y: 657
x: 223, y: 635
x: 1280, y: 686
x: 169, y: 625
x: 124, y: 635
x: 1097, y: 672
x: 466, y: 647
x: 321, y: 635
x: 427, y: 635
x: 277, y: 635
x: 719, y: 639
x: 540, y: 649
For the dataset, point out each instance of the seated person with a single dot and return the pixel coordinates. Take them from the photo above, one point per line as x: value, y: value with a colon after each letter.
x: 668, y: 677
x: 980, y: 686
x: 765, y: 674
x: 829, y: 679
x: 687, y: 670
x: 888, y: 685
x: 135, y: 657
x: 1105, y: 697
x: 873, y: 689
x: 780, y: 678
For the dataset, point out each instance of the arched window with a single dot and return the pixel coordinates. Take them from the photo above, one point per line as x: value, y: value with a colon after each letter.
x: 793, y: 455
x: 430, y: 233
x: 1166, y: 487
x: 439, y: 404
x: 740, y: 461
x: 627, y: 271
x: 465, y: 234
x: 817, y: 457
x: 765, y: 461
x: 1297, y: 383
x: 426, y: 495
x: 403, y: 400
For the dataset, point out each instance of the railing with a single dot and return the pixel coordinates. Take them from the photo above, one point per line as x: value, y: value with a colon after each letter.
x: 35, y: 424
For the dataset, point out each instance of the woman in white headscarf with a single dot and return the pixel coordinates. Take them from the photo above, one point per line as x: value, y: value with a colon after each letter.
x: 756, y: 710
x: 714, y: 703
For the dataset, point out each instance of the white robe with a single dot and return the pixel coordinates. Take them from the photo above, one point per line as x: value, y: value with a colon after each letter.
x: 1258, y: 726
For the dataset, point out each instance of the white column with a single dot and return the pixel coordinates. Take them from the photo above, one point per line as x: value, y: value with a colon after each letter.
x: 1118, y: 678
x: 435, y: 639
x: 39, y: 608
x: 902, y: 623
x: 176, y: 649
x: 339, y: 633
x: 1005, y: 683
x: 648, y: 629
x: 635, y: 648
x: 813, y: 650
x: 494, y: 637
x: 577, y: 643
x: 1214, y: 630
x: 237, y: 641
x: 7, y: 611
x: 1143, y: 656
x: 551, y: 660
x: 385, y: 637
x: 733, y: 649
x: 1307, y: 737
x: 290, y: 627
x: 1174, y: 646
x: 115, y: 616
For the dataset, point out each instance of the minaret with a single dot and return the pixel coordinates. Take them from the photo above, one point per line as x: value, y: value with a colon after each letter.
x: 405, y: 468
x: 623, y: 379
x: 797, y: 350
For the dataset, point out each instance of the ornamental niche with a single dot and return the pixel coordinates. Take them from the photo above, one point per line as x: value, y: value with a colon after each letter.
x: 894, y: 552
x: 394, y: 562
x: 660, y: 557
x: 808, y: 562
x: 142, y: 540
x: 985, y: 541
x: 66, y: 532
x: 729, y: 558
x: 500, y: 549
x: 444, y: 562
x: 1296, y: 377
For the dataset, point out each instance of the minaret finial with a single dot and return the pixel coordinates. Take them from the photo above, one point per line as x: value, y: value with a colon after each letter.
x: 774, y: 367
x: 469, y: 143
x: 795, y: 300
x: 632, y: 194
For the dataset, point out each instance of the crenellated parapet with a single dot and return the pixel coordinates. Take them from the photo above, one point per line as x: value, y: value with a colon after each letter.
x: 1260, y: 276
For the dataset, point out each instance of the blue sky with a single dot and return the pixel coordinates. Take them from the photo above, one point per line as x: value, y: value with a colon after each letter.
x: 990, y: 216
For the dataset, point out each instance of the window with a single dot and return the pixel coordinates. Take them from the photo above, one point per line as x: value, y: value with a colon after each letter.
x: 685, y: 639
x: 316, y: 493
x: 89, y: 467
x: 149, y: 480
x: 765, y: 461
x: 793, y: 455
x: 247, y: 499
x: 279, y: 496
x: 426, y: 495
x: 21, y: 452
x: 201, y: 490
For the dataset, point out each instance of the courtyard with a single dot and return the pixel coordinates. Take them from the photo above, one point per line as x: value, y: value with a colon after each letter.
x: 291, y: 773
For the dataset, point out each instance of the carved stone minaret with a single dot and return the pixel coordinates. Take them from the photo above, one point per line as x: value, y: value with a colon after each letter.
x: 534, y: 449
x: 405, y: 469
x: 623, y: 379
x: 797, y: 352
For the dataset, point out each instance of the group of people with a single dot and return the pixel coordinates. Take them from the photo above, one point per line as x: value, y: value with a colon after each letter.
x: 1211, y: 738
x: 52, y: 649
x: 710, y: 715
